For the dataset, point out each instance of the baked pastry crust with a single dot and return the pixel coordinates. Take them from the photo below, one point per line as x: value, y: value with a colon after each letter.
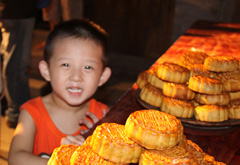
x: 178, y: 108
x: 186, y: 152
x: 216, y: 99
x: 142, y: 79
x: 111, y: 143
x: 235, y: 95
x: 234, y: 109
x: 200, y: 155
x: 173, y: 73
x: 153, y: 129
x: 198, y: 69
x: 221, y: 63
x: 179, y: 91
x: 205, y: 85
x: 62, y: 155
x: 177, y: 155
x: 211, y: 113
x: 154, y: 80
x: 230, y: 80
x: 84, y: 155
x: 151, y: 95
x: 192, y: 57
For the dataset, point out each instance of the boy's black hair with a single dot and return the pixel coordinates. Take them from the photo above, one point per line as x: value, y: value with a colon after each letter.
x: 82, y: 29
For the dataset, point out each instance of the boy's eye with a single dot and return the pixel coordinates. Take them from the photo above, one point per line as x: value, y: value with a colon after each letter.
x: 88, y: 67
x: 65, y: 65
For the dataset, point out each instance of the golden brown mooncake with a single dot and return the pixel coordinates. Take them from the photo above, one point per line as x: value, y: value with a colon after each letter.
x: 151, y: 95
x: 142, y: 79
x: 187, y: 152
x: 177, y: 155
x: 198, y: 69
x: 62, y: 155
x: 171, y: 72
x: 234, y: 109
x: 154, y: 80
x: 230, y: 80
x: 111, y: 143
x: 215, y: 99
x: 190, y: 58
x: 178, y: 108
x: 221, y: 63
x: 234, y: 95
x: 201, y: 157
x: 211, y: 113
x: 84, y: 155
x: 178, y: 91
x: 153, y: 129
x: 205, y: 85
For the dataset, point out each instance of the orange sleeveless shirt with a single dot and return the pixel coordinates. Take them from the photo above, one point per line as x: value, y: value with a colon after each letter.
x: 47, y: 136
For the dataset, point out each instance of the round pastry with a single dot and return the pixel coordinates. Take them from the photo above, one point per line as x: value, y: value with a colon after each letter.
x: 173, y: 73
x: 197, y: 152
x: 110, y: 142
x: 230, y: 80
x: 153, y: 129
x: 179, y: 91
x: 84, y: 155
x: 154, y: 80
x: 198, y: 69
x: 234, y: 95
x: 151, y: 95
x: 211, y: 113
x: 187, y: 153
x: 62, y: 155
x: 216, y: 99
x: 205, y: 85
x: 177, y: 155
x: 221, y: 63
x: 142, y: 79
x: 178, y: 108
x: 234, y: 109
x: 192, y: 57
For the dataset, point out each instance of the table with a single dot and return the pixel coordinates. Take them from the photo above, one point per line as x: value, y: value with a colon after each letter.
x: 222, y: 143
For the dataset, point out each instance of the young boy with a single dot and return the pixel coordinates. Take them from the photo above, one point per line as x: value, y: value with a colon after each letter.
x: 75, y: 63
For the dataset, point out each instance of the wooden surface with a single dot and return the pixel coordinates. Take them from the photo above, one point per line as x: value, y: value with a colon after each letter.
x: 215, y: 39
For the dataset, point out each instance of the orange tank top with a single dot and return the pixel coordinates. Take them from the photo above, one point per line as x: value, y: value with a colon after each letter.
x: 48, y: 136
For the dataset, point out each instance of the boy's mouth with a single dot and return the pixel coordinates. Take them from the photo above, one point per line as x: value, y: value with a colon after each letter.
x: 75, y: 90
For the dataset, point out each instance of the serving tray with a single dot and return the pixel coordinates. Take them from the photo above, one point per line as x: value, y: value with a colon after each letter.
x: 192, y: 121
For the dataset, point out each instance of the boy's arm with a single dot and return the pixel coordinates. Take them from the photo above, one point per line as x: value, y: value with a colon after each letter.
x: 23, y: 142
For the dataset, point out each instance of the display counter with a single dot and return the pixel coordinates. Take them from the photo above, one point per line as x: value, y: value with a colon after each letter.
x: 222, y: 141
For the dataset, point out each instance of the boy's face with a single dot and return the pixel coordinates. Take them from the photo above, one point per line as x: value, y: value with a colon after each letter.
x: 76, y: 69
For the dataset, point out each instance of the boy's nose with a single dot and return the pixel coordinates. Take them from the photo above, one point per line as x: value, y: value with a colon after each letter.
x: 76, y: 75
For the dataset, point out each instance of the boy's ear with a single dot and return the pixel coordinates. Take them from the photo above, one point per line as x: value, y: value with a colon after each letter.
x: 105, y: 76
x: 43, y: 67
